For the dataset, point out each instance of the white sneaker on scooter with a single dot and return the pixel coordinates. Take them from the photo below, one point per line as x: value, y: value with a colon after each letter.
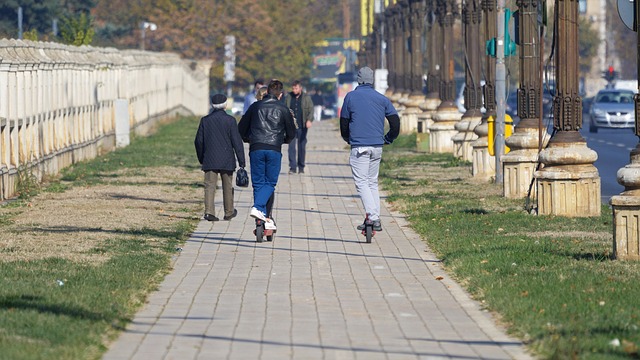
x: 270, y: 225
x: 255, y: 213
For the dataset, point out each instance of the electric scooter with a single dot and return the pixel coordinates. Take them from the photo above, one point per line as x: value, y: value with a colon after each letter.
x: 260, y: 232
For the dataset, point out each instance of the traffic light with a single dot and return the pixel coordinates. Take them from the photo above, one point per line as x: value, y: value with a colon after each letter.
x: 610, y: 74
x: 509, y: 44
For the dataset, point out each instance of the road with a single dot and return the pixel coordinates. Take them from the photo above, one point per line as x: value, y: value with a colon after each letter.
x: 613, y: 147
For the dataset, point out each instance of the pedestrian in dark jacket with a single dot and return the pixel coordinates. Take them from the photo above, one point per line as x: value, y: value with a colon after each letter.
x: 266, y: 126
x: 218, y: 145
x: 302, y: 107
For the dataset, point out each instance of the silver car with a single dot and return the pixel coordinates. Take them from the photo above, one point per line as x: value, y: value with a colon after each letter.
x: 612, y: 108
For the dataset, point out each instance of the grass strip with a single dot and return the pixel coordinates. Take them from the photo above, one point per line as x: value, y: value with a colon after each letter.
x: 551, y: 279
x: 56, y: 308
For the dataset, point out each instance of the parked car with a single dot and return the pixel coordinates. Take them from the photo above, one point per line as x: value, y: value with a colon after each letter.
x: 612, y: 108
x: 460, y: 98
x: 237, y: 105
x: 329, y: 108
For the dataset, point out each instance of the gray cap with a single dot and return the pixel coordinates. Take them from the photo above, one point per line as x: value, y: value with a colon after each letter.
x: 365, y: 75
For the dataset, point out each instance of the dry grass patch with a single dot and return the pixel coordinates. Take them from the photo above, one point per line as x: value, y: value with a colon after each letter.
x: 72, y: 224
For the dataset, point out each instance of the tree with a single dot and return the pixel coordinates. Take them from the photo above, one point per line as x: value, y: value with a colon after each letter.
x: 36, y: 14
x: 624, y: 42
x: 77, y: 30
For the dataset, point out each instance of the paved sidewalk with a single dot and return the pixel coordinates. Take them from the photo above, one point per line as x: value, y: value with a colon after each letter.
x: 318, y: 291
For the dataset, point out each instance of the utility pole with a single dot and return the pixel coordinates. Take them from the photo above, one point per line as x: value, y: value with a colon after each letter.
x: 346, y: 18
x: 500, y: 93
x: 19, y: 22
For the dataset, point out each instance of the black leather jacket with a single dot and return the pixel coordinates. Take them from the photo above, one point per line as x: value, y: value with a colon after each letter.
x: 267, y: 125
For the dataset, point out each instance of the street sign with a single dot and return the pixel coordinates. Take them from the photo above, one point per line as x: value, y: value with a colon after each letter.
x: 627, y: 11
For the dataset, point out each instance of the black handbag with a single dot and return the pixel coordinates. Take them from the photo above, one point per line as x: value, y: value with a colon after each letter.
x: 242, y: 178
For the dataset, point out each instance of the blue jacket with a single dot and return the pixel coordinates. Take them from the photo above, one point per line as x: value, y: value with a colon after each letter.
x: 362, y: 118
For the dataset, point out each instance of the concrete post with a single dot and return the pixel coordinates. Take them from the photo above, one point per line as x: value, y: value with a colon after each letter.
x: 568, y: 184
x: 471, y: 18
x: 519, y: 164
x: 626, y: 206
x: 414, y: 12
x: 447, y: 114
x: 484, y: 165
x: 390, y: 36
x: 398, y: 55
x: 432, y: 100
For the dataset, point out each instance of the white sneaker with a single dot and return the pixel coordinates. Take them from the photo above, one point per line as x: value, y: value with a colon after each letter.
x: 270, y: 225
x: 257, y: 214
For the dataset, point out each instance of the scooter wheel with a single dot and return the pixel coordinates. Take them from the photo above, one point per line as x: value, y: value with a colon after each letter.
x: 368, y: 233
x: 260, y: 232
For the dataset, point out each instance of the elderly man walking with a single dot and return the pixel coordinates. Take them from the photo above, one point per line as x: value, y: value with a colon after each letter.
x: 218, y: 144
x: 362, y: 126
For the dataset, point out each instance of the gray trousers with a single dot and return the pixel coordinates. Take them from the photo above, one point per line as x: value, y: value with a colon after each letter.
x: 365, y: 166
x: 210, y: 183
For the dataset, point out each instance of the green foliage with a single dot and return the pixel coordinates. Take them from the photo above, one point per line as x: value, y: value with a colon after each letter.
x: 36, y: 14
x: 587, y: 43
x: 77, y: 30
x: 39, y: 298
x: 172, y: 145
x: 31, y: 35
x: 27, y: 184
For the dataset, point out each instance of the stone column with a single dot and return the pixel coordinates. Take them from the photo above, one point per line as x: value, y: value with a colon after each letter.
x: 447, y: 114
x: 568, y: 184
x: 415, y: 16
x: 374, y: 49
x: 520, y: 163
x: 390, y: 34
x: 626, y: 206
x: 432, y: 100
x: 484, y: 165
x: 398, y: 59
x: 405, y: 11
x: 471, y: 18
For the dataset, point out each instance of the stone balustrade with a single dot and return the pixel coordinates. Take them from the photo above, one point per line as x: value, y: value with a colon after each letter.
x: 57, y: 101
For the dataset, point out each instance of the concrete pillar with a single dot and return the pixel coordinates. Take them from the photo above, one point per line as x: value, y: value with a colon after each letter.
x: 415, y: 11
x: 626, y: 206
x: 432, y: 100
x: 447, y: 114
x: 484, y: 165
x: 520, y: 163
x: 471, y: 19
x: 626, y: 209
x: 398, y: 56
x: 568, y: 184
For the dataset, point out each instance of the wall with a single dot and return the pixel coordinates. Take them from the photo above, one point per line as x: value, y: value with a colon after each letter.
x: 57, y: 101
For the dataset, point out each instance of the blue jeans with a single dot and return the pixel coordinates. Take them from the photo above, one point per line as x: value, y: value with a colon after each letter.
x: 265, y: 169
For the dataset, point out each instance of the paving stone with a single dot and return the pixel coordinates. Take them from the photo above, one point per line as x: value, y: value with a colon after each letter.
x: 318, y: 291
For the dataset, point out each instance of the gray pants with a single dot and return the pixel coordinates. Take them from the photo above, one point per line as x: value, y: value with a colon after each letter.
x: 365, y: 165
x: 210, y: 183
